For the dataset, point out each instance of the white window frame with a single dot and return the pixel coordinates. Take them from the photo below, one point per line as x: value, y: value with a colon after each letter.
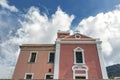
x: 49, y: 74
x: 77, y: 37
x: 31, y: 55
x: 29, y: 74
x: 81, y: 75
x: 78, y: 49
x: 49, y: 55
x: 80, y: 68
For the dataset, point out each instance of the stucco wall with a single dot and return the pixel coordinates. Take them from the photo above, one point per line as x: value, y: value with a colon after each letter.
x: 67, y: 60
x: 39, y: 68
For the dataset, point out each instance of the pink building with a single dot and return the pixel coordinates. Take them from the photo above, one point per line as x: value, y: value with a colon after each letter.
x: 71, y: 57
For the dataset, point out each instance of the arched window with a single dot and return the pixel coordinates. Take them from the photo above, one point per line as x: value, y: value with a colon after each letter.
x: 80, y: 72
x: 79, y: 56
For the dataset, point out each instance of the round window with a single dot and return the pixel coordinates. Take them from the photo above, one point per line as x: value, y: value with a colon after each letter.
x: 77, y: 36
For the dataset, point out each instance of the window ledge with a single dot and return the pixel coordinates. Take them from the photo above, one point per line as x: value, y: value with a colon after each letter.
x: 30, y: 62
x: 79, y: 63
x: 50, y: 62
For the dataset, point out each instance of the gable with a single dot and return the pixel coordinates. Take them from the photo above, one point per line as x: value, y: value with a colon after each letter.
x: 77, y: 36
x: 80, y: 35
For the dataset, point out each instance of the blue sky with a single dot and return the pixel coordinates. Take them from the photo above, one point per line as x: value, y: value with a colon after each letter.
x: 34, y: 21
x: 80, y: 8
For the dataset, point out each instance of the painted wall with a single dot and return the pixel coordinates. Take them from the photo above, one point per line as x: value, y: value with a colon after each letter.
x: 39, y: 68
x: 67, y: 60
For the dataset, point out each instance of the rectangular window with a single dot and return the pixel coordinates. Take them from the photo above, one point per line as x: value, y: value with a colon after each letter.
x: 80, y: 77
x: 50, y: 76
x: 51, y: 57
x: 33, y: 57
x: 29, y: 76
x: 79, y: 58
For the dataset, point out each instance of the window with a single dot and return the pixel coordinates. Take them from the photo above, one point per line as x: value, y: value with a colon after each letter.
x: 51, y: 57
x: 33, y: 57
x: 49, y: 76
x: 80, y: 77
x: 79, y: 58
x: 80, y: 72
x: 29, y: 76
x: 77, y: 36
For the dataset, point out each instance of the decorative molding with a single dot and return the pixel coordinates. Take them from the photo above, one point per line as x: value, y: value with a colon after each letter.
x: 78, y: 49
x: 37, y: 46
x: 78, y: 42
x: 77, y: 36
x: 101, y: 59
x: 80, y: 67
x: 87, y: 39
x: 57, y: 60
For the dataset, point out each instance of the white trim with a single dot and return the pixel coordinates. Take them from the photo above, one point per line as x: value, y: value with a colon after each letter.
x: 78, y: 42
x: 101, y: 59
x: 80, y: 68
x: 57, y: 59
x: 29, y: 74
x: 31, y: 54
x: 48, y: 74
x: 78, y: 49
x: 87, y: 39
x: 49, y: 55
x: 77, y: 37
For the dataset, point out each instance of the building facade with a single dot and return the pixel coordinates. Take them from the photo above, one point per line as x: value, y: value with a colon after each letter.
x: 71, y: 57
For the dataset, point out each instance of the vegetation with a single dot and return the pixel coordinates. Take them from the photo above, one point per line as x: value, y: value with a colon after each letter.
x: 113, y: 71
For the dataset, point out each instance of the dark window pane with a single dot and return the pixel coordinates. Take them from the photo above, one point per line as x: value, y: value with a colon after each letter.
x: 79, y: 58
x: 33, y: 57
x: 49, y: 76
x: 80, y: 77
x: 29, y: 76
x: 51, y: 57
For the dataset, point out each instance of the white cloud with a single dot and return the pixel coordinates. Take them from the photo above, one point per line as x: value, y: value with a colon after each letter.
x: 106, y: 27
x: 6, y: 31
x: 118, y: 6
x: 4, y: 4
x: 5, y: 72
x: 35, y: 28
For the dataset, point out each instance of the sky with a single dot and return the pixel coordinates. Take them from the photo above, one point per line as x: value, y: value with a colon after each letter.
x: 37, y: 22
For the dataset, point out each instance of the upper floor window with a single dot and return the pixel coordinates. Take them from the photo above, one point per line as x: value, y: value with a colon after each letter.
x: 78, y: 56
x: 33, y: 56
x: 51, y: 57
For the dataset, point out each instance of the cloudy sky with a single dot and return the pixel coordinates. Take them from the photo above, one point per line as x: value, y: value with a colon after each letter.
x: 37, y: 21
